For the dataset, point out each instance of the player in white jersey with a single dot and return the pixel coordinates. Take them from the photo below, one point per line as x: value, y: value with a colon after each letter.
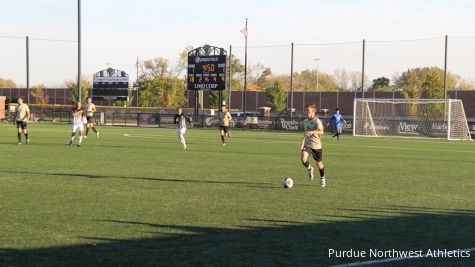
x: 78, y: 123
x: 180, y: 121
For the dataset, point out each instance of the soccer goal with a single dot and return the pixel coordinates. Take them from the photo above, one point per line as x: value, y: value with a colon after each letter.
x: 426, y: 118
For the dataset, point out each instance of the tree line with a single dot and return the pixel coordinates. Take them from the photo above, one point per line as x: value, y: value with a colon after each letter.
x: 161, y: 83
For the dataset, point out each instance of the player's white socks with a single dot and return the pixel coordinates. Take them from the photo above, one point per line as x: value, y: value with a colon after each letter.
x: 182, y: 140
x: 80, y: 139
x: 72, y: 138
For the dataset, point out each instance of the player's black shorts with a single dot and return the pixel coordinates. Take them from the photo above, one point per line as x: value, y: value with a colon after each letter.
x: 224, y: 128
x: 21, y: 124
x: 316, y: 153
x: 90, y: 119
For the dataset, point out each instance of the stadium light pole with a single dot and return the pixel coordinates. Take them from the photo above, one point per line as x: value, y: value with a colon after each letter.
x: 245, y: 70
x: 229, y: 75
x: 291, y: 80
x: 79, y: 50
x: 320, y: 93
x: 28, y: 67
x: 445, y: 68
x: 362, y: 68
x: 137, y: 80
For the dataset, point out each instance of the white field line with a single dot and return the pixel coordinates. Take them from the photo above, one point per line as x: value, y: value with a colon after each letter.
x: 283, y: 134
x: 277, y: 142
x: 298, y: 142
x: 381, y: 261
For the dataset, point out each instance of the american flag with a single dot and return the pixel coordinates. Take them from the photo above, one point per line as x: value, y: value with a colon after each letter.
x: 244, y: 31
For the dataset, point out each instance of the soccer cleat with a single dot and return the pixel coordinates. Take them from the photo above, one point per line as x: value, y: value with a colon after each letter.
x: 19, y: 143
x: 79, y: 145
x: 224, y: 144
x: 184, y: 147
x: 97, y: 135
x: 310, y: 173
x: 85, y: 137
x: 70, y: 142
x: 322, y: 182
x: 27, y: 141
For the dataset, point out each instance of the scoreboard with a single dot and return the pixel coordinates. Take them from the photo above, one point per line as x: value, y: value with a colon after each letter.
x: 110, y: 84
x: 206, y: 72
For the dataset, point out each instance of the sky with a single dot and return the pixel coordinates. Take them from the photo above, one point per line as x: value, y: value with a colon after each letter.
x: 116, y: 32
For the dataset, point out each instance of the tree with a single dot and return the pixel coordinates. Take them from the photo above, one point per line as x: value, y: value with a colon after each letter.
x: 237, y: 74
x: 307, y: 81
x: 263, y: 80
x: 151, y: 68
x: 432, y: 86
x: 39, y: 95
x: 6, y: 83
x: 461, y: 84
x: 161, y: 84
x: 381, y: 84
x: 166, y: 91
x: 341, y: 78
x: 326, y: 83
x: 276, y: 96
x: 257, y: 77
x: 411, y: 80
x: 182, y: 62
x: 214, y: 98
x: 73, y: 89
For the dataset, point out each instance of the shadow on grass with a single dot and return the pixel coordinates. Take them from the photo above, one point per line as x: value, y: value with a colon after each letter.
x: 267, y: 242
x: 225, y: 181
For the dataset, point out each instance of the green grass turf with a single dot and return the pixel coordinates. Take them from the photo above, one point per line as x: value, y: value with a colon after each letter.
x: 141, y: 200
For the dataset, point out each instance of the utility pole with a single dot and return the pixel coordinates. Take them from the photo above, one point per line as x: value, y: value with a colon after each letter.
x: 79, y: 51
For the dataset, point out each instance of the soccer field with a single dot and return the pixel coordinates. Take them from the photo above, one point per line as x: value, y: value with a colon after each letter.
x: 134, y: 197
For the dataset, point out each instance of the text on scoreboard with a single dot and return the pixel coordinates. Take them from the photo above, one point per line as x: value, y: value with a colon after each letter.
x: 206, y: 72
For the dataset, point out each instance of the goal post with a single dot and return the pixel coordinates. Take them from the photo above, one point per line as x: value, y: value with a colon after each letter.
x: 423, y: 118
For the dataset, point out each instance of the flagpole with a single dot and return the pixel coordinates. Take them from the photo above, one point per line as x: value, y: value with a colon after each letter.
x: 245, y: 69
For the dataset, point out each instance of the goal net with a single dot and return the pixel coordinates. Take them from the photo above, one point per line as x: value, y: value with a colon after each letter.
x: 427, y: 118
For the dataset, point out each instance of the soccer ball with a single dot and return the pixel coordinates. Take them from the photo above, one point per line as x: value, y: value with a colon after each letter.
x: 288, y: 182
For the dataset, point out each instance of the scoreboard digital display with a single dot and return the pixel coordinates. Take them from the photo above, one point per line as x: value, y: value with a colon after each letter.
x: 206, y: 72
x: 110, y: 84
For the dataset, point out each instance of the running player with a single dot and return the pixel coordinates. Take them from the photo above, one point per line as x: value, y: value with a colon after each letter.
x: 78, y: 123
x: 338, y: 121
x: 312, y: 144
x: 90, y: 110
x: 22, y: 115
x: 224, y: 120
x: 180, y: 121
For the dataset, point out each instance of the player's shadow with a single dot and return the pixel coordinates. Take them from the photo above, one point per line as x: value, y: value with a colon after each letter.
x: 223, y: 181
x: 264, y: 242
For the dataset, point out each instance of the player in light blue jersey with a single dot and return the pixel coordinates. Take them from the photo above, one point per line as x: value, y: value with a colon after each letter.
x: 337, y: 120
